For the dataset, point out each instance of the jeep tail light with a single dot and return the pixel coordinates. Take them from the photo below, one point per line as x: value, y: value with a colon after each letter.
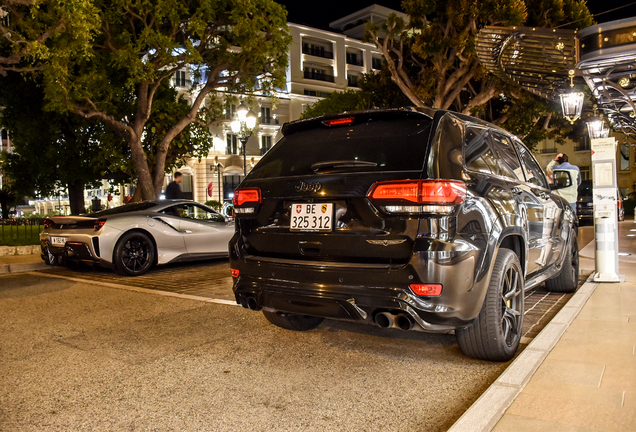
x: 415, y: 196
x: 428, y: 290
x: 235, y: 273
x: 99, y: 224
x: 247, y: 196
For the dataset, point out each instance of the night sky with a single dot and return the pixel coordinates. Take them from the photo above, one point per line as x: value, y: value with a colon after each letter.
x: 320, y: 13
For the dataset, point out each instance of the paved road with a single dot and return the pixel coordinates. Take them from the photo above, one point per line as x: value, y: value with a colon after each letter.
x: 77, y: 355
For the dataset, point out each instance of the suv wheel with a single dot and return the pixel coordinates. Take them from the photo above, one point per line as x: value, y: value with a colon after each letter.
x: 495, y: 334
x: 568, y: 279
x: 291, y: 321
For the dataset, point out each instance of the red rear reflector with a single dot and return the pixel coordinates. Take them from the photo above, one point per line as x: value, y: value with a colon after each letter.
x: 339, y: 122
x: 235, y: 273
x: 429, y: 290
x: 247, y: 195
x: 75, y: 243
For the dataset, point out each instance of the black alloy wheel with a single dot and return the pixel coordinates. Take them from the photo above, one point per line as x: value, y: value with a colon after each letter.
x: 568, y: 278
x: 48, y: 256
x: 495, y: 334
x: 134, y: 254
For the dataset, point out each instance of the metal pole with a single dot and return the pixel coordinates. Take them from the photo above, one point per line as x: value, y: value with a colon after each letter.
x: 244, y: 142
x: 218, y: 176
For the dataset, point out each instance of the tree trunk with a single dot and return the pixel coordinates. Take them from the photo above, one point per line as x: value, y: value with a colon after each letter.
x: 145, y: 184
x: 136, y: 196
x: 76, y: 197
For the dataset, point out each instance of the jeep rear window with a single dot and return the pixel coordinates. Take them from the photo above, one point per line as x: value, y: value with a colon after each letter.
x: 393, y: 145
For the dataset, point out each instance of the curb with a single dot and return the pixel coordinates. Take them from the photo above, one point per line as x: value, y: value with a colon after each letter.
x: 19, y: 250
x: 22, y: 267
x: 485, y: 412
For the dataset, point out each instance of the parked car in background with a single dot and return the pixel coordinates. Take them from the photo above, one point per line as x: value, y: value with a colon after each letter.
x: 413, y: 219
x: 585, y: 203
x: 132, y: 238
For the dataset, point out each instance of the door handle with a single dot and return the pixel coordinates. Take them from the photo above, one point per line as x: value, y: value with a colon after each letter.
x: 187, y: 231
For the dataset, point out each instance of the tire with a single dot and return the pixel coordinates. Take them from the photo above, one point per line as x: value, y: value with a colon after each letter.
x: 568, y: 278
x: 48, y: 257
x: 292, y: 321
x: 495, y: 334
x: 134, y: 254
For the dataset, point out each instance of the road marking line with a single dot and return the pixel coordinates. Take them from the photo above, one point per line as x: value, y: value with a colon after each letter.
x: 141, y: 290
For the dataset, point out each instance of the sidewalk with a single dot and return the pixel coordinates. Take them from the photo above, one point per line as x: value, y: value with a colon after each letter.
x: 579, y: 374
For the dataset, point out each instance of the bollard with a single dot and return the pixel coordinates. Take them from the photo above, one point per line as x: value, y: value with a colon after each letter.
x: 606, y: 259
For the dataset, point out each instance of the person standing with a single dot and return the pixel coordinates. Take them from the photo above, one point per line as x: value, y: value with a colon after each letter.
x: 570, y: 193
x: 173, y: 191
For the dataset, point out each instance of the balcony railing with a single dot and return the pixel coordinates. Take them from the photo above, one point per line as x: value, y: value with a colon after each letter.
x: 355, y: 62
x: 319, y: 76
x: 548, y: 150
x: 317, y: 52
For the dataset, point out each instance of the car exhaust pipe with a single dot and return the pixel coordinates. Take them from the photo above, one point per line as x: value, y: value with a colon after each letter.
x: 243, y: 302
x: 404, y: 322
x: 384, y: 320
x: 252, y: 304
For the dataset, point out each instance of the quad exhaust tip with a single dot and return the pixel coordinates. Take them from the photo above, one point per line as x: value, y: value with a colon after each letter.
x: 394, y: 320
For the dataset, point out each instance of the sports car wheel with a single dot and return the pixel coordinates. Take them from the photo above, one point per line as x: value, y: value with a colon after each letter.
x: 48, y: 257
x: 134, y: 254
x: 495, y: 334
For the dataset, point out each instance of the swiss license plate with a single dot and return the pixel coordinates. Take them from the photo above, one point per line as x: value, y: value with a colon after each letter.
x: 58, y: 241
x: 311, y: 217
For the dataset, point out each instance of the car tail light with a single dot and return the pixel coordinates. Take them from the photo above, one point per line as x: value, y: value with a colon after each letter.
x: 435, y: 196
x: 619, y: 203
x: 339, y: 122
x: 246, y: 196
x: 246, y: 200
x: 48, y: 223
x: 235, y: 273
x: 99, y: 224
x: 428, y: 290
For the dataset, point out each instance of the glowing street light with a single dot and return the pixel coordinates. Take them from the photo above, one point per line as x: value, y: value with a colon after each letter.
x: 243, y: 126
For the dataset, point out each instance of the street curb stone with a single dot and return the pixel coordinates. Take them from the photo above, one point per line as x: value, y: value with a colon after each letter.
x: 22, y: 267
x: 484, y: 414
x: 19, y: 250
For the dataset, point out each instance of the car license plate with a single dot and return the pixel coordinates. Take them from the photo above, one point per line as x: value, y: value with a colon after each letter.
x: 58, y: 241
x: 311, y: 217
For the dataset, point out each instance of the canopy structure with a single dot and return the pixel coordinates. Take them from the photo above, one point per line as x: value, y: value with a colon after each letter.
x: 539, y: 60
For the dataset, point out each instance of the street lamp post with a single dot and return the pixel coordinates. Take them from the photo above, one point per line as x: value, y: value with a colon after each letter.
x: 243, y: 126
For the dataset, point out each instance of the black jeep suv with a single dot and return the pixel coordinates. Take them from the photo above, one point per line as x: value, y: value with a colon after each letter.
x: 414, y: 219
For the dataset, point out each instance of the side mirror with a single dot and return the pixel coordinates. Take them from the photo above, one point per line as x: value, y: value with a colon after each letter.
x: 561, y: 179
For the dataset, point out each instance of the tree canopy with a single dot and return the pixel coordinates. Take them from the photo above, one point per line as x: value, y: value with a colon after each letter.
x: 432, y: 58
x: 130, y: 48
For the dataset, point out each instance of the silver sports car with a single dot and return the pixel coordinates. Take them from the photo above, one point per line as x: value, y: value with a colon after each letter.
x: 132, y: 238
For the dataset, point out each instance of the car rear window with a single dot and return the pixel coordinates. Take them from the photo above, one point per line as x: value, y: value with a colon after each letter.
x: 376, y: 145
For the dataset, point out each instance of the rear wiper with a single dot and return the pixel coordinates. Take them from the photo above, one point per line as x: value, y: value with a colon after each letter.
x: 342, y: 164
